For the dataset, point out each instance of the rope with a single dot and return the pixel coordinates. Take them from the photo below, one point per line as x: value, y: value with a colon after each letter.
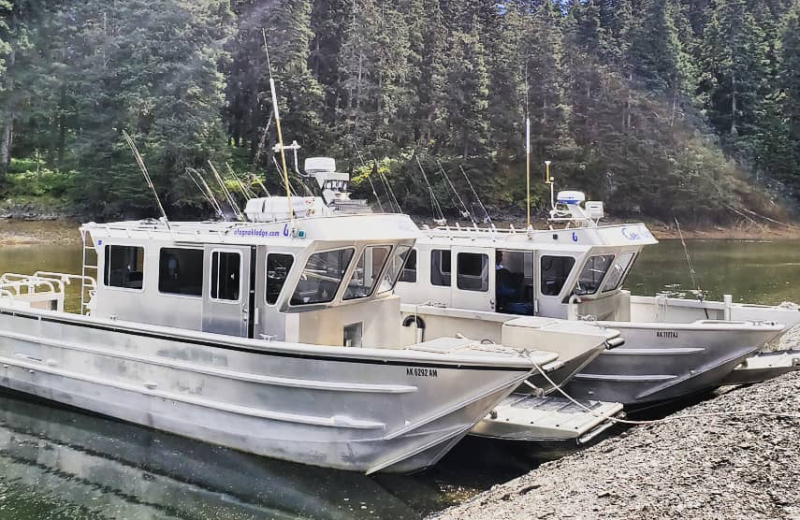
x: 654, y: 421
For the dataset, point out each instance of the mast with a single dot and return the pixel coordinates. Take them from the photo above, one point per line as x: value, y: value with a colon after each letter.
x: 278, y: 127
x: 528, y: 144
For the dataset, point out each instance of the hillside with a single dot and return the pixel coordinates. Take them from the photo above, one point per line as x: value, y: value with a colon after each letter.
x: 662, y: 108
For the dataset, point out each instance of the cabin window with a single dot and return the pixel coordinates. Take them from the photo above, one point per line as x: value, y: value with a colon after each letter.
x: 440, y: 267
x: 395, y: 268
x: 278, y: 268
x: 555, y: 271
x: 322, y: 277
x: 225, y: 275
x: 473, y: 272
x: 367, y: 272
x: 124, y: 267
x: 180, y: 271
x: 593, y: 273
x: 618, y: 270
x: 514, y: 282
x: 410, y: 269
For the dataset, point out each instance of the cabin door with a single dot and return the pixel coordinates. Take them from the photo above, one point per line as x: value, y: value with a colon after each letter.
x: 473, y: 279
x: 228, y: 290
x: 553, y: 271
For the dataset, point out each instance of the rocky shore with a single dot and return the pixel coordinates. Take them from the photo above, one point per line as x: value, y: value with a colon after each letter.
x: 714, y: 467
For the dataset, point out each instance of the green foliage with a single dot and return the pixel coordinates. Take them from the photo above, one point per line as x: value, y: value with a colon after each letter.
x: 659, y: 106
x: 30, y: 178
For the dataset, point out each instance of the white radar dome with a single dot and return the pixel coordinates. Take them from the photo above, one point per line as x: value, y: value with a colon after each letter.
x: 570, y: 197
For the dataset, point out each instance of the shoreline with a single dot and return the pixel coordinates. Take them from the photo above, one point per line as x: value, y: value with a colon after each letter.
x: 737, y: 465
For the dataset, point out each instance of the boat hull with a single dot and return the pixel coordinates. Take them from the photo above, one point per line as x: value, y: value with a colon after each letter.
x: 665, y: 361
x: 398, y: 412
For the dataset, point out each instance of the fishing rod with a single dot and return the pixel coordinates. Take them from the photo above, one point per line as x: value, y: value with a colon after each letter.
x: 244, y: 188
x: 464, y: 210
x: 386, y: 187
x: 146, y: 174
x: 434, y: 201
x: 278, y: 128
x: 210, y: 192
x: 205, y: 191
x: 228, y: 195
x: 369, y: 178
x: 257, y: 180
x: 278, y: 169
x: 487, y: 218
x: 700, y: 296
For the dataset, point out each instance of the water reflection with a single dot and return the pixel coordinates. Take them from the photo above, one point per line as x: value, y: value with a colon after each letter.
x: 58, y: 463
x: 753, y: 271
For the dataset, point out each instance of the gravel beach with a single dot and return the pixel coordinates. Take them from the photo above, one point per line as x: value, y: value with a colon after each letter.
x: 717, y: 467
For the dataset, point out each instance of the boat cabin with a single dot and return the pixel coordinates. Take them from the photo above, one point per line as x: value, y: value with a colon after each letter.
x: 529, y: 273
x: 324, y: 281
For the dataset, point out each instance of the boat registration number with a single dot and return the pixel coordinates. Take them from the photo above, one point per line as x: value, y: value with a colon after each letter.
x: 669, y: 334
x: 422, y: 372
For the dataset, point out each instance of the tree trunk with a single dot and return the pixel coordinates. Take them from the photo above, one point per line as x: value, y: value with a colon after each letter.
x: 734, y: 108
x: 5, y: 144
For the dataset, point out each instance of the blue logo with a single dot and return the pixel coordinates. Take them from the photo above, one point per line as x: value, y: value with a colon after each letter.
x: 631, y: 235
x: 574, y: 236
x: 286, y: 230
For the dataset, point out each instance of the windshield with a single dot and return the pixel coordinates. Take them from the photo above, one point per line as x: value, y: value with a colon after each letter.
x: 395, y: 269
x: 367, y: 272
x: 618, y: 271
x: 592, y: 275
x: 321, y: 277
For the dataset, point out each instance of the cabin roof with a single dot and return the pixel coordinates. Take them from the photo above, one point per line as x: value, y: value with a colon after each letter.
x: 581, y: 238
x: 300, y: 232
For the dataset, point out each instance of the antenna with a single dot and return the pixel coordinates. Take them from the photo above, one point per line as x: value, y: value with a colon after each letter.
x: 434, y: 201
x: 231, y: 200
x: 278, y: 128
x: 146, y: 174
x: 487, y: 218
x: 464, y: 210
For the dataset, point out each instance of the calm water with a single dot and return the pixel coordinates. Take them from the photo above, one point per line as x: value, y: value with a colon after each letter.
x: 63, y: 464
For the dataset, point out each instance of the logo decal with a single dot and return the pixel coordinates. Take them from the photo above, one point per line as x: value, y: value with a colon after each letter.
x: 574, y: 236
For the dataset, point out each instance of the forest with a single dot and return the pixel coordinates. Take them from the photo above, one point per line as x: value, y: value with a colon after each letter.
x: 661, y: 108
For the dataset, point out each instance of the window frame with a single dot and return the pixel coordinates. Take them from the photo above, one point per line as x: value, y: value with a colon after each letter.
x: 624, y: 274
x: 178, y: 295
x: 396, y: 280
x: 211, y: 276
x: 106, y: 266
x: 449, y: 276
x: 378, y: 278
x: 540, y: 279
x: 602, y: 280
x: 266, y: 276
x: 485, y: 257
x: 339, y: 289
x: 415, y: 252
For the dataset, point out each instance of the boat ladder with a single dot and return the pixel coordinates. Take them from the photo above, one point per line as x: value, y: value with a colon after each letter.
x: 88, y: 265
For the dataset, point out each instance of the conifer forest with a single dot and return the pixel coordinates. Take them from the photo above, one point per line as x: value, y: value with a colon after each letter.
x: 661, y: 108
